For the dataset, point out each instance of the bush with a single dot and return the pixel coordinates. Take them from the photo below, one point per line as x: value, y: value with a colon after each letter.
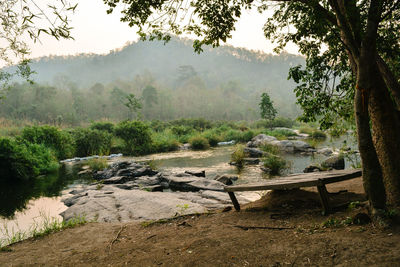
x: 232, y: 135
x: 318, y: 134
x: 212, y: 137
x: 103, y: 126
x: 281, y: 133
x: 136, y: 136
x: 275, y: 164
x: 91, y: 142
x: 199, y: 143
x: 97, y: 164
x: 277, y: 122
x: 164, y: 142
x: 181, y: 130
x: 24, y: 161
x: 238, y: 156
x: 274, y: 150
x: 59, y: 141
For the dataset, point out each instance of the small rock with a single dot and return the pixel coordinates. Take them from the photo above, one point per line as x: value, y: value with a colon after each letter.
x: 225, y: 179
x: 251, y: 161
x: 335, y: 162
x: 197, y: 173
x: 312, y: 168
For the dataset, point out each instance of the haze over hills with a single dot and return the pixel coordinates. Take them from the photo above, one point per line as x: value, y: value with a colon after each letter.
x: 220, y: 83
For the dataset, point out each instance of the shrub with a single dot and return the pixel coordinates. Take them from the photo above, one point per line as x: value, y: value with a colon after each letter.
x: 181, y: 130
x: 232, y: 135
x: 238, y: 156
x: 275, y: 164
x: 97, y: 164
x: 60, y: 141
x: 281, y: 133
x: 246, y: 136
x: 136, y: 136
x: 24, y: 161
x: 91, y: 142
x: 274, y: 150
x: 199, y: 143
x: 212, y: 137
x: 164, y: 142
x: 277, y: 122
x: 318, y: 134
x: 103, y: 126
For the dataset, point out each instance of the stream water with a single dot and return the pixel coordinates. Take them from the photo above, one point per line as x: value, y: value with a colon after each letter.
x: 24, y: 206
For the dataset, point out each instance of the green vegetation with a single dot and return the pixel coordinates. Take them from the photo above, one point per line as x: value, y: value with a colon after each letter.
x: 52, y: 137
x: 48, y: 226
x: 103, y: 126
x: 275, y: 164
x: 91, y: 142
x: 23, y: 161
x: 314, y: 133
x: 97, y: 164
x: 238, y: 156
x: 199, y: 143
x: 267, y: 110
x: 136, y: 136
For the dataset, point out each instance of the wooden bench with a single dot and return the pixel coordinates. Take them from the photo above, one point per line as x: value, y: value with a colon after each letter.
x: 318, y: 179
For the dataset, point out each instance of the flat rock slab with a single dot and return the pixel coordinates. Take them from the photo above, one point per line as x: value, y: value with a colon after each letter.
x: 112, y: 204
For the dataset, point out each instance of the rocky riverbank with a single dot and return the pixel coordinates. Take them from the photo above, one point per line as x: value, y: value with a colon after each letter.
x: 130, y: 191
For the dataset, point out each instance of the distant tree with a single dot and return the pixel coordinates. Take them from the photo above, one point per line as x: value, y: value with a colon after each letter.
x: 133, y: 104
x: 150, y: 96
x: 267, y: 109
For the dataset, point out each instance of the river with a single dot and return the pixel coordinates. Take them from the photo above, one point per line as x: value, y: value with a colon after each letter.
x: 25, y: 206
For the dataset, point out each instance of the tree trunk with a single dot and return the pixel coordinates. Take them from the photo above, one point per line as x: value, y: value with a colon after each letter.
x: 386, y: 137
x: 372, y: 174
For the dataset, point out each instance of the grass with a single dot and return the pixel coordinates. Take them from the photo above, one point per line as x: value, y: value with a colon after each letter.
x: 48, y: 226
x: 238, y: 156
x: 275, y: 164
x: 97, y: 164
x: 199, y: 143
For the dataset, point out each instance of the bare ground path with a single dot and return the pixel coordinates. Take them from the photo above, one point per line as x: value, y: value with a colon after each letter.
x: 216, y: 240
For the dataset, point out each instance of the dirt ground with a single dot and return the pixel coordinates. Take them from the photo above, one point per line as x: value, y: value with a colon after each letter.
x: 281, y: 229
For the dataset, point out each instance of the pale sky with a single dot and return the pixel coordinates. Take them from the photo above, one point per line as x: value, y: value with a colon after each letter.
x: 97, y: 32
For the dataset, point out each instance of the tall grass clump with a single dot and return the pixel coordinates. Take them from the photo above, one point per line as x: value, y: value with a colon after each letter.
x: 91, y: 142
x: 199, y: 143
x: 275, y: 164
x: 238, y: 156
x: 136, y: 136
x: 164, y: 142
x: 52, y: 137
x: 97, y: 164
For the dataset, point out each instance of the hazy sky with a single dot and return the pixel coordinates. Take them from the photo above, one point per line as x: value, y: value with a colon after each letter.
x: 96, y: 32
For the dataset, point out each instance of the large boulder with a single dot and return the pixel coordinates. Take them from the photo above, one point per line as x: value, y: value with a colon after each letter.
x: 261, y: 139
x: 301, y: 146
x: 335, y: 162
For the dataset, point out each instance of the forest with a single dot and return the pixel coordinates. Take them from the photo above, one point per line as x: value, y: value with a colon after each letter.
x: 167, y: 81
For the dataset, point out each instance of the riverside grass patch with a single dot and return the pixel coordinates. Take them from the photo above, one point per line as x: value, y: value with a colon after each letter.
x: 48, y: 226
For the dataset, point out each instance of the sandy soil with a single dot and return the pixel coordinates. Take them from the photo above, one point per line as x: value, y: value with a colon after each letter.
x: 288, y: 231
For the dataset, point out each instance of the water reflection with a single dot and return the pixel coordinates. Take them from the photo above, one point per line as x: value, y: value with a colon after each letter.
x: 15, y: 196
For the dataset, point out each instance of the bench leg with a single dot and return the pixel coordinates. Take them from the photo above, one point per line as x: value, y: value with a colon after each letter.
x: 323, y: 195
x: 234, y: 201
